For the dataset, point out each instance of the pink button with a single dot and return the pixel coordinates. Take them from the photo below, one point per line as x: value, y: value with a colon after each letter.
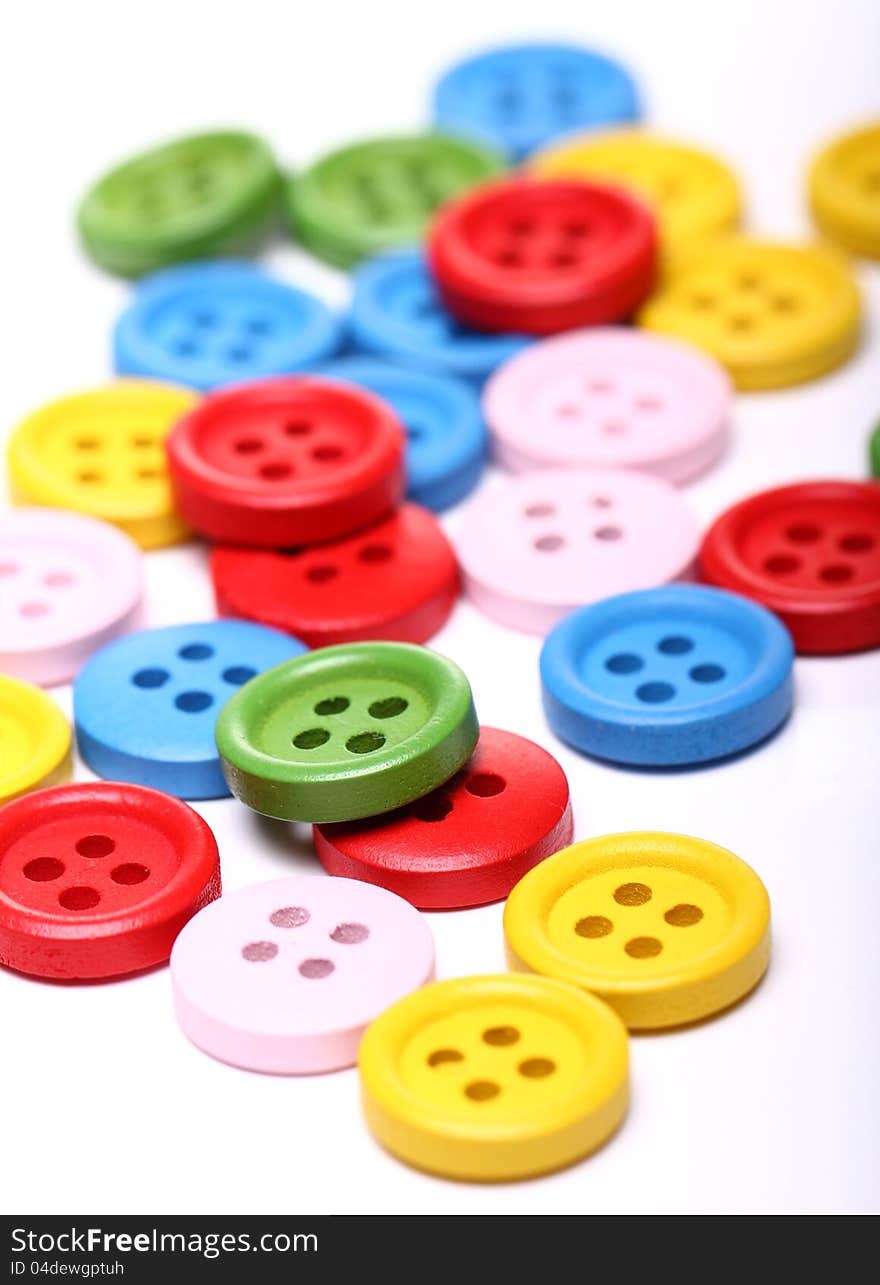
x: 609, y: 398
x: 68, y: 584
x: 534, y: 547
x: 285, y: 976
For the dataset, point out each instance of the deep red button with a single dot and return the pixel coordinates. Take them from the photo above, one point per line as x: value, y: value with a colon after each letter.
x: 541, y: 256
x: 809, y: 552
x: 397, y: 580
x: 470, y: 841
x: 290, y: 461
x: 96, y: 880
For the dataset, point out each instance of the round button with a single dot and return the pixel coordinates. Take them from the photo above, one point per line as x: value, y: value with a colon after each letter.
x: 377, y: 194
x: 543, y: 255
x: 103, y: 452
x: 520, y: 96
x: 188, y: 199
x: 811, y: 553
x: 694, y: 196
x: 666, y: 677
x: 844, y: 190
x: 397, y: 313
x: 34, y: 740
x: 609, y: 398
x: 347, y: 732
x: 874, y: 451
x: 560, y: 540
x: 287, y: 462
x: 285, y: 976
x: 446, y: 438
x: 209, y: 324
x: 68, y: 584
x: 494, y: 1078
x: 145, y: 706
x: 468, y: 842
x: 666, y: 928
x: 97, y: 880
x: 396, y: 580
x: 774, y: 315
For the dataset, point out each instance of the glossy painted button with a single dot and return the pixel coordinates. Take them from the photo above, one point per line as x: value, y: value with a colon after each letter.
x: 397, y: 580
x: 539, y: 256
x: 470, y: 841
x: 34, y: 740
x: 446, y: 437
x: 609, y: 398
x: 773, y: 314
x: 68, y: 584
x: 396, y: 313
x: 534, y: 547
x: 694, y: 195
x: 668, y: 929
x: 521, y: 96
x: 97, y: 880
x: 811, y: 553
x: 874, y: 451
x: 347, y: 732
x: 494, y: 1078
x: 145, y: 706
x: 377, y: 194
x: 286, y: 462
x: 665, y: 677
x: 187, y: 199
x: 285, y: 976
x: 103, y: 452
x: 209, y: 324
x: 844, y: 190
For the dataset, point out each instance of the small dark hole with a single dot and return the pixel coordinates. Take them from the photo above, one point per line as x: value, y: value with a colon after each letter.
x: 675, y: 645
x: 655, y: 693
x: 150, y: 677
x: 79, y: 898
x: 332, y: 705
x: 193, y: 702
x: 624, y: 663
x: 321, y: 574
x: 707, y: 673
x: 196, y: 651
x: 485, y: 785
x: 95, y: 846
x: 129, y: 873
x: 836, y: 573
x: 433, y: 807
x: 238, y: 674
x: 441, y: 1056
x: 311, y: 739
x: 365, y: 742
x: 375, y: 553
x: 43, y: 869
x: 390, y: 707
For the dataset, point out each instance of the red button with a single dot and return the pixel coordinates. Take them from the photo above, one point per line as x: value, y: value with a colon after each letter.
x: 397, y: 580
x: 809, y: 552
x: 288, y: 461
x: 96, y: 880
x: 469, y: 842
x: 541, y: 256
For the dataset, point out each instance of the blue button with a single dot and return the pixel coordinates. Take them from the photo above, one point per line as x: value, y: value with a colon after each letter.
x: 666, y: 677
x: 521, y: 97
x: 145, y: 705
x: 446, y: 437
x: 210, y: 324
x: 396, y: 313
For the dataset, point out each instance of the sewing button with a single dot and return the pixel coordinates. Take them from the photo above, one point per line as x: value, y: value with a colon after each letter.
x: 34, y: 740
x: 844, y: 190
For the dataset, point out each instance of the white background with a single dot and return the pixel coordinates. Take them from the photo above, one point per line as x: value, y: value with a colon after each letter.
x: 105, y: 1106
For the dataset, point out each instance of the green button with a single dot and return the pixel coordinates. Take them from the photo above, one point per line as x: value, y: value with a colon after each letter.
x: 375, y: 195
x: 190, y: 199
x: 874, y: 449
x: 347, y: 732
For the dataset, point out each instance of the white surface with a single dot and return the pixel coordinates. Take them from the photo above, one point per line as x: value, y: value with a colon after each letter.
x: 106, y: 1107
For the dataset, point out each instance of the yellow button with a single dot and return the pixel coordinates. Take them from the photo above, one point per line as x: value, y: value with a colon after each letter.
x: 695, y: 197
x: 773, y: 314
x: 844, y: 190
x: 34, y: 740
x: 491, y: 1078
x: 103, y: 452
x: 666, y: 928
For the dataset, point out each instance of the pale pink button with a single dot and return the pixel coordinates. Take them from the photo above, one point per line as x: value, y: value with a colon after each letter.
x: 535, y: 546
x: 609, y: 398
x: 68, y: 584
x: 285, y: 976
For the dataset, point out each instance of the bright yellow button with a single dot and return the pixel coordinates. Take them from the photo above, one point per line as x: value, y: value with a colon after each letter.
x: 695, y: 197
x: 844, y: 190
x: 34, y: 740
x: 666, y: 928
x: 773, y: 314
x: 490, y: 1078
x: 103, y: 452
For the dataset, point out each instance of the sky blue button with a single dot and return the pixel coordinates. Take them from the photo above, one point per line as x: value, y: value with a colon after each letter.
x: 667, y: 677
x: 210, y: 324
x: 145, y: 705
